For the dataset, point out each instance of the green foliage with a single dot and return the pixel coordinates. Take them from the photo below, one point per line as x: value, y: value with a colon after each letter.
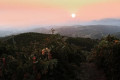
x: 106, y: 55
x: 83, y: 43
x: 27, y: 39
x: 20, y: 64
x: 68, y: 56
x: 25, y: 61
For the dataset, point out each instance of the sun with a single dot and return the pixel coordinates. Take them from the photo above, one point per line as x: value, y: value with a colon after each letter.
x: 73, y: 15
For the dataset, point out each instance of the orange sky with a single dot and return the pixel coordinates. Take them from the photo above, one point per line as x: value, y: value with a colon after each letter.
x: 38, y: 12
x: 99, y: 11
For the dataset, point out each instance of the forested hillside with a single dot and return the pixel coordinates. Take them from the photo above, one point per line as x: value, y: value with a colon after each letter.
x: 35, y: 56
x: 106, y: 55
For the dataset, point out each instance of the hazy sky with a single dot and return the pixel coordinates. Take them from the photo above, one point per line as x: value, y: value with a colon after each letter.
x: 51, y: 12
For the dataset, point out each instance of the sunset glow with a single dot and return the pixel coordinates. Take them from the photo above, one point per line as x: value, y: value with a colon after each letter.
x: 52, y: 12
x: 73, y: 15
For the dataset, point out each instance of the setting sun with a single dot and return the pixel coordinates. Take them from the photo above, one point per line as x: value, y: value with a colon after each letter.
x: 73, y: 15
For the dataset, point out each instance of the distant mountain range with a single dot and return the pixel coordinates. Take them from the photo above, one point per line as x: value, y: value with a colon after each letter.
x: 10, y: 32
x: 108, y: 21
x: 93, y: 29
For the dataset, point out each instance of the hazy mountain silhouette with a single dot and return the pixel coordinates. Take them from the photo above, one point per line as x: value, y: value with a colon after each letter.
x: 92, y: 29
x: 107, y: 21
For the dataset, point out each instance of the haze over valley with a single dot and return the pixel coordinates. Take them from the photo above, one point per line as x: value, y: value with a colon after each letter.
x: 93, y: 29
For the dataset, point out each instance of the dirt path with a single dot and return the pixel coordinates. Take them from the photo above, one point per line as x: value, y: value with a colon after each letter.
x: 90, y: 72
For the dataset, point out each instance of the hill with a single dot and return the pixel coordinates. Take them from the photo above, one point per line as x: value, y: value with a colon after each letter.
x: 36, y: 56
x: 92, y: 31
x: 107, y: 21
x: 89, y: 31
x: 28, y: 39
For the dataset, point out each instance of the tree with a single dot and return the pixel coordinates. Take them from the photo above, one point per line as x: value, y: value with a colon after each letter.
x: 106, y: 55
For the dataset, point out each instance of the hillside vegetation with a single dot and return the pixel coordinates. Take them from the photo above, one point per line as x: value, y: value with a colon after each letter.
x: 35, y: 56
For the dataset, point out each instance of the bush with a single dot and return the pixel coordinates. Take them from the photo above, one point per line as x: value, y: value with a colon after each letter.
x: 106, y: 55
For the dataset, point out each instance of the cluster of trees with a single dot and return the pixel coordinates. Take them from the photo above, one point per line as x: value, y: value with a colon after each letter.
x: 107, y: 55
x: 33, y: 56
x: 16, y: 65
x: 84, y: 43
